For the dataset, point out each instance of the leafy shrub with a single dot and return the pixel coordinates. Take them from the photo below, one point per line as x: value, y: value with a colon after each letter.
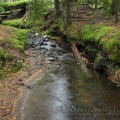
x: 2, y: 9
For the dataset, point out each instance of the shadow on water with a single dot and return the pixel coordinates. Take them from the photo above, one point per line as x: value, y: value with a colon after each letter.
x: 66, y: 93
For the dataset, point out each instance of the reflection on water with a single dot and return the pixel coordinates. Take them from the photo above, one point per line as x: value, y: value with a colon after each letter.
x: 66, y: 93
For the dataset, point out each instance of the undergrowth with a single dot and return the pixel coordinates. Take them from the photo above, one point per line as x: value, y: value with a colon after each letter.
x: 15, y: 42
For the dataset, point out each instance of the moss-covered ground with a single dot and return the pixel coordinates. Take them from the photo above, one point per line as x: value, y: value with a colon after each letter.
x: 100, y: 37
x: 12, y: 44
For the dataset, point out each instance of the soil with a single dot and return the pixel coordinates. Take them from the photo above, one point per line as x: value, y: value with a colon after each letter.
x: 5, y: 32
x: 84, y: 15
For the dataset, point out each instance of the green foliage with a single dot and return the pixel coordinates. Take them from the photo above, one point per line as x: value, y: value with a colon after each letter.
x: 38, y: 10
x: 14, y: 3
x: 1, y: 55
x: 15, y: 41
x: 111, y: 43
x: 19, y: 39
x: 107, y: 5
x: 2, y: 9
x: 89, y: 13
x: 3, y: 73
x: 105, y: 36
x: 13, y: 23
x: 72, y: 33
x: 98, y: 61
x: 94, y: 32
x: 9, y: 57
x: 15, y: 66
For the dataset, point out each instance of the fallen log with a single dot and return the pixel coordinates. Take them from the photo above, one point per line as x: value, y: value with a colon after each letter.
x: 82, y: 61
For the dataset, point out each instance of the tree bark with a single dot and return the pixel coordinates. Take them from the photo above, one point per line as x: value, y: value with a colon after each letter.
x: 67, y: 10
x: 113, y: 6
x: 56, y: 7
x: 116, y: 10
x: 96, y: 4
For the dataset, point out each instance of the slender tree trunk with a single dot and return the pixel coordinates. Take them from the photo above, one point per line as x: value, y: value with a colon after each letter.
x: 68, y: 18
x: 96, y: 11
x: 116, y: 10
x: 56, y: 7
x: 113, y: 6
x: 96, y: 4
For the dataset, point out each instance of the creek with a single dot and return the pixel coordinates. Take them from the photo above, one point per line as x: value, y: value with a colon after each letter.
x: 66, y: 92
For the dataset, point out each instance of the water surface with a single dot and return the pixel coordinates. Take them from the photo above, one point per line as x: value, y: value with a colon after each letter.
x: 65, y: 92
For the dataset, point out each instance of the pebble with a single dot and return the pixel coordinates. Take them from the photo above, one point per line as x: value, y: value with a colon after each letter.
x: 36, y: 34
x: 29, y: 74
x: 29, y: 86
x: 20, y: 83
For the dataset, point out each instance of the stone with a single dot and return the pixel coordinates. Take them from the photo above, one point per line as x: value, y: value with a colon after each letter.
x: 46, y: 40
x: 53, y: 45
x: 20, y: 83
x: 38, y: 48
x: 29, y: 74
x: 41, y: 43
x: 29, y: 86
x: 51, y: 59
x: 45, y: 44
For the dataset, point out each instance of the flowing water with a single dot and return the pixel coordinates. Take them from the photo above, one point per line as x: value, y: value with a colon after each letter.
x: 65, y: 92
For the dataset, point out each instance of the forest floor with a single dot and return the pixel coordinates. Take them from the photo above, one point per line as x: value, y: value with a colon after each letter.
x: 84, y: 15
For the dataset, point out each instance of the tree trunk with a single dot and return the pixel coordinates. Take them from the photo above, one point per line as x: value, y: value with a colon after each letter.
x: 116, y: 10
x: 96, y: 11
x: 56, y: 7
x: 113, y: 6
x: 67, y: 10
x: 96, y: 3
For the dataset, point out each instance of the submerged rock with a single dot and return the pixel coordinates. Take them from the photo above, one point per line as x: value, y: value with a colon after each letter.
x: 53, y: 45
x: 38, y: 48
x: 41, y: 43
